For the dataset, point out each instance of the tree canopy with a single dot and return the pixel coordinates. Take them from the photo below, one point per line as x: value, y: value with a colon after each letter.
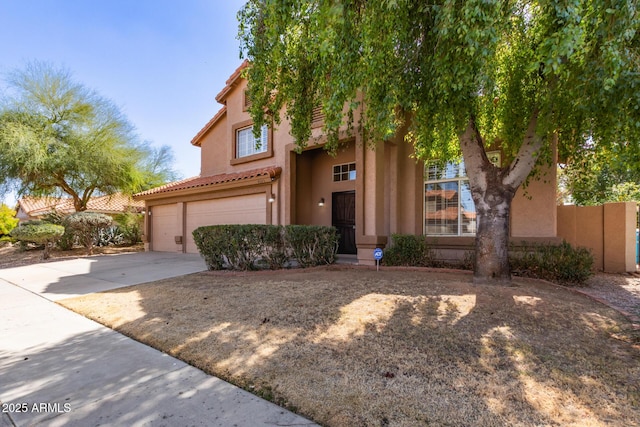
x: 460, y: 75
x: 600, y: 174
x: 58, y: 136
x: 572, y: 63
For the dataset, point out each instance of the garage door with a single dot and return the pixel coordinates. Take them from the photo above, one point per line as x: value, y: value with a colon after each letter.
x: 164, y: 228
x: 248, y: 209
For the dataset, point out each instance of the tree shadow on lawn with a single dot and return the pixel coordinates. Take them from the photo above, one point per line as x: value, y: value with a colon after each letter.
x: 348, y: 346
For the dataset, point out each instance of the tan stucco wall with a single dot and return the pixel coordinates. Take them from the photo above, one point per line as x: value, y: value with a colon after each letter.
x: 620, y: 237
x: 533, y: 209
x: 214, y: 151
x: 608, y: 231
x: 581, y: 226
x: 218, y: 143
x: 407, y: 204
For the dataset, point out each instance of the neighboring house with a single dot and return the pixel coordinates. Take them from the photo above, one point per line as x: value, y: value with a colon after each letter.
x: 368, y: 194
x: 30, y: 208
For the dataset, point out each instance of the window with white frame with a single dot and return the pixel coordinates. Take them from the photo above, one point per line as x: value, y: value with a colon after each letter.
x: 247, y: 144
x: 448, y: 206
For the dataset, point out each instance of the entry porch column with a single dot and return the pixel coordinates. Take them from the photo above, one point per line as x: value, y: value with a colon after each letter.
x: 370, y: 179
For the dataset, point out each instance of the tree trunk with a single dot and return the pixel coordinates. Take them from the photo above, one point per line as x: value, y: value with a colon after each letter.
x: 45, y: 252
x: 492, y: 239
x: 492, y: 188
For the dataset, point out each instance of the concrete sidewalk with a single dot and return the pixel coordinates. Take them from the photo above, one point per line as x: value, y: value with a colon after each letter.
x: 58, y: 368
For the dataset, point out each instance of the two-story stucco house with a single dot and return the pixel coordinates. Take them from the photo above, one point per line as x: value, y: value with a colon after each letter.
x: 367, y: 193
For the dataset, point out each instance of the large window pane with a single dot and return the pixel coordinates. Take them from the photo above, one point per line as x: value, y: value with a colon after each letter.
x: 437, y: 171
x: 247, y: 144
x: 441, y: 208
x: 467, y: 209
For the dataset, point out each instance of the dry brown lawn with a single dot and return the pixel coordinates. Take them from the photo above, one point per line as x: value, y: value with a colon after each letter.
x: 347, y: 346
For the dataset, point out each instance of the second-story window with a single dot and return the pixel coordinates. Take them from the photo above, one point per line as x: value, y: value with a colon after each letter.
x: 248, y: 145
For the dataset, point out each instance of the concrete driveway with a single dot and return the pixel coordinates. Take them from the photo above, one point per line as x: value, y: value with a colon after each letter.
x: 58, y: 368
x: 65, y: 279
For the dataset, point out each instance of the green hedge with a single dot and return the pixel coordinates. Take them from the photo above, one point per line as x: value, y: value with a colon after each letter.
x: 252, y: 246
x: 409, y: 250
x: 38, y: 232
x: 561, y: 263
x: 312, y: 245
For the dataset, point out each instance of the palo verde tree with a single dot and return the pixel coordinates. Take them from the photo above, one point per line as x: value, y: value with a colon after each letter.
x: 59, y: 137
x: 461, y: 75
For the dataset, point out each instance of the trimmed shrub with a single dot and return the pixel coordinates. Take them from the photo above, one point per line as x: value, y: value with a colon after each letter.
x: 210, y: 241
x: 243, y: 247
x: 312, y: 245
x: 275, y: 253
x: 409, y: 250
x: 38, y: 232
x: 68, y: 239
x: 562, y: 263
x: 239, y: 247
x: 86, y: 226
x: 130, y: 225
x: 247, y: 247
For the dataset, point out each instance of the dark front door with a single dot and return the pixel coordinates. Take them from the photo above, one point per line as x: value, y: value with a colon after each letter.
x: 343, y: 217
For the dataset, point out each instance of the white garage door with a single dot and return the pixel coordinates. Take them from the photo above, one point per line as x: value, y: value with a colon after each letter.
x: 250, y: 209
x: 164, y: 228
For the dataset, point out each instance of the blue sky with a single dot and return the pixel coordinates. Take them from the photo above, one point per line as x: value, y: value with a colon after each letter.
x: 162, y: 62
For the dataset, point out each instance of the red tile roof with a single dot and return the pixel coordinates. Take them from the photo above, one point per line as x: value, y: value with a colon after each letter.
x: 221, y: 98
x: 231, y: 81
x: 444, y: 194
x: 30, y: 204
x: 112, y: 203
x: 272, y: 172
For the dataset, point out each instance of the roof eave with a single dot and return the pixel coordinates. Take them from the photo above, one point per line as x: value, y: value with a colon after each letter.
x: 231, y: 82
x: 197, y: 140
x: 259, y: 180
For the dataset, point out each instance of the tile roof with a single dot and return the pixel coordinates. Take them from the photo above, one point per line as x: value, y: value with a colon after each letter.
x: 231, y: 81
x: 30, y: 204
x: 444, y: 194
x: 111, y: 203
x: 221, y: 98
x: 271, y: 172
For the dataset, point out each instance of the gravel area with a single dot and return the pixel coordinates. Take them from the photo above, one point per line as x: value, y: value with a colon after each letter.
x: 620, y: 291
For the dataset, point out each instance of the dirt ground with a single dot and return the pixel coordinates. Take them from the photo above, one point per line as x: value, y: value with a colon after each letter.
x: 348, y: 346
x: 13, y: 256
